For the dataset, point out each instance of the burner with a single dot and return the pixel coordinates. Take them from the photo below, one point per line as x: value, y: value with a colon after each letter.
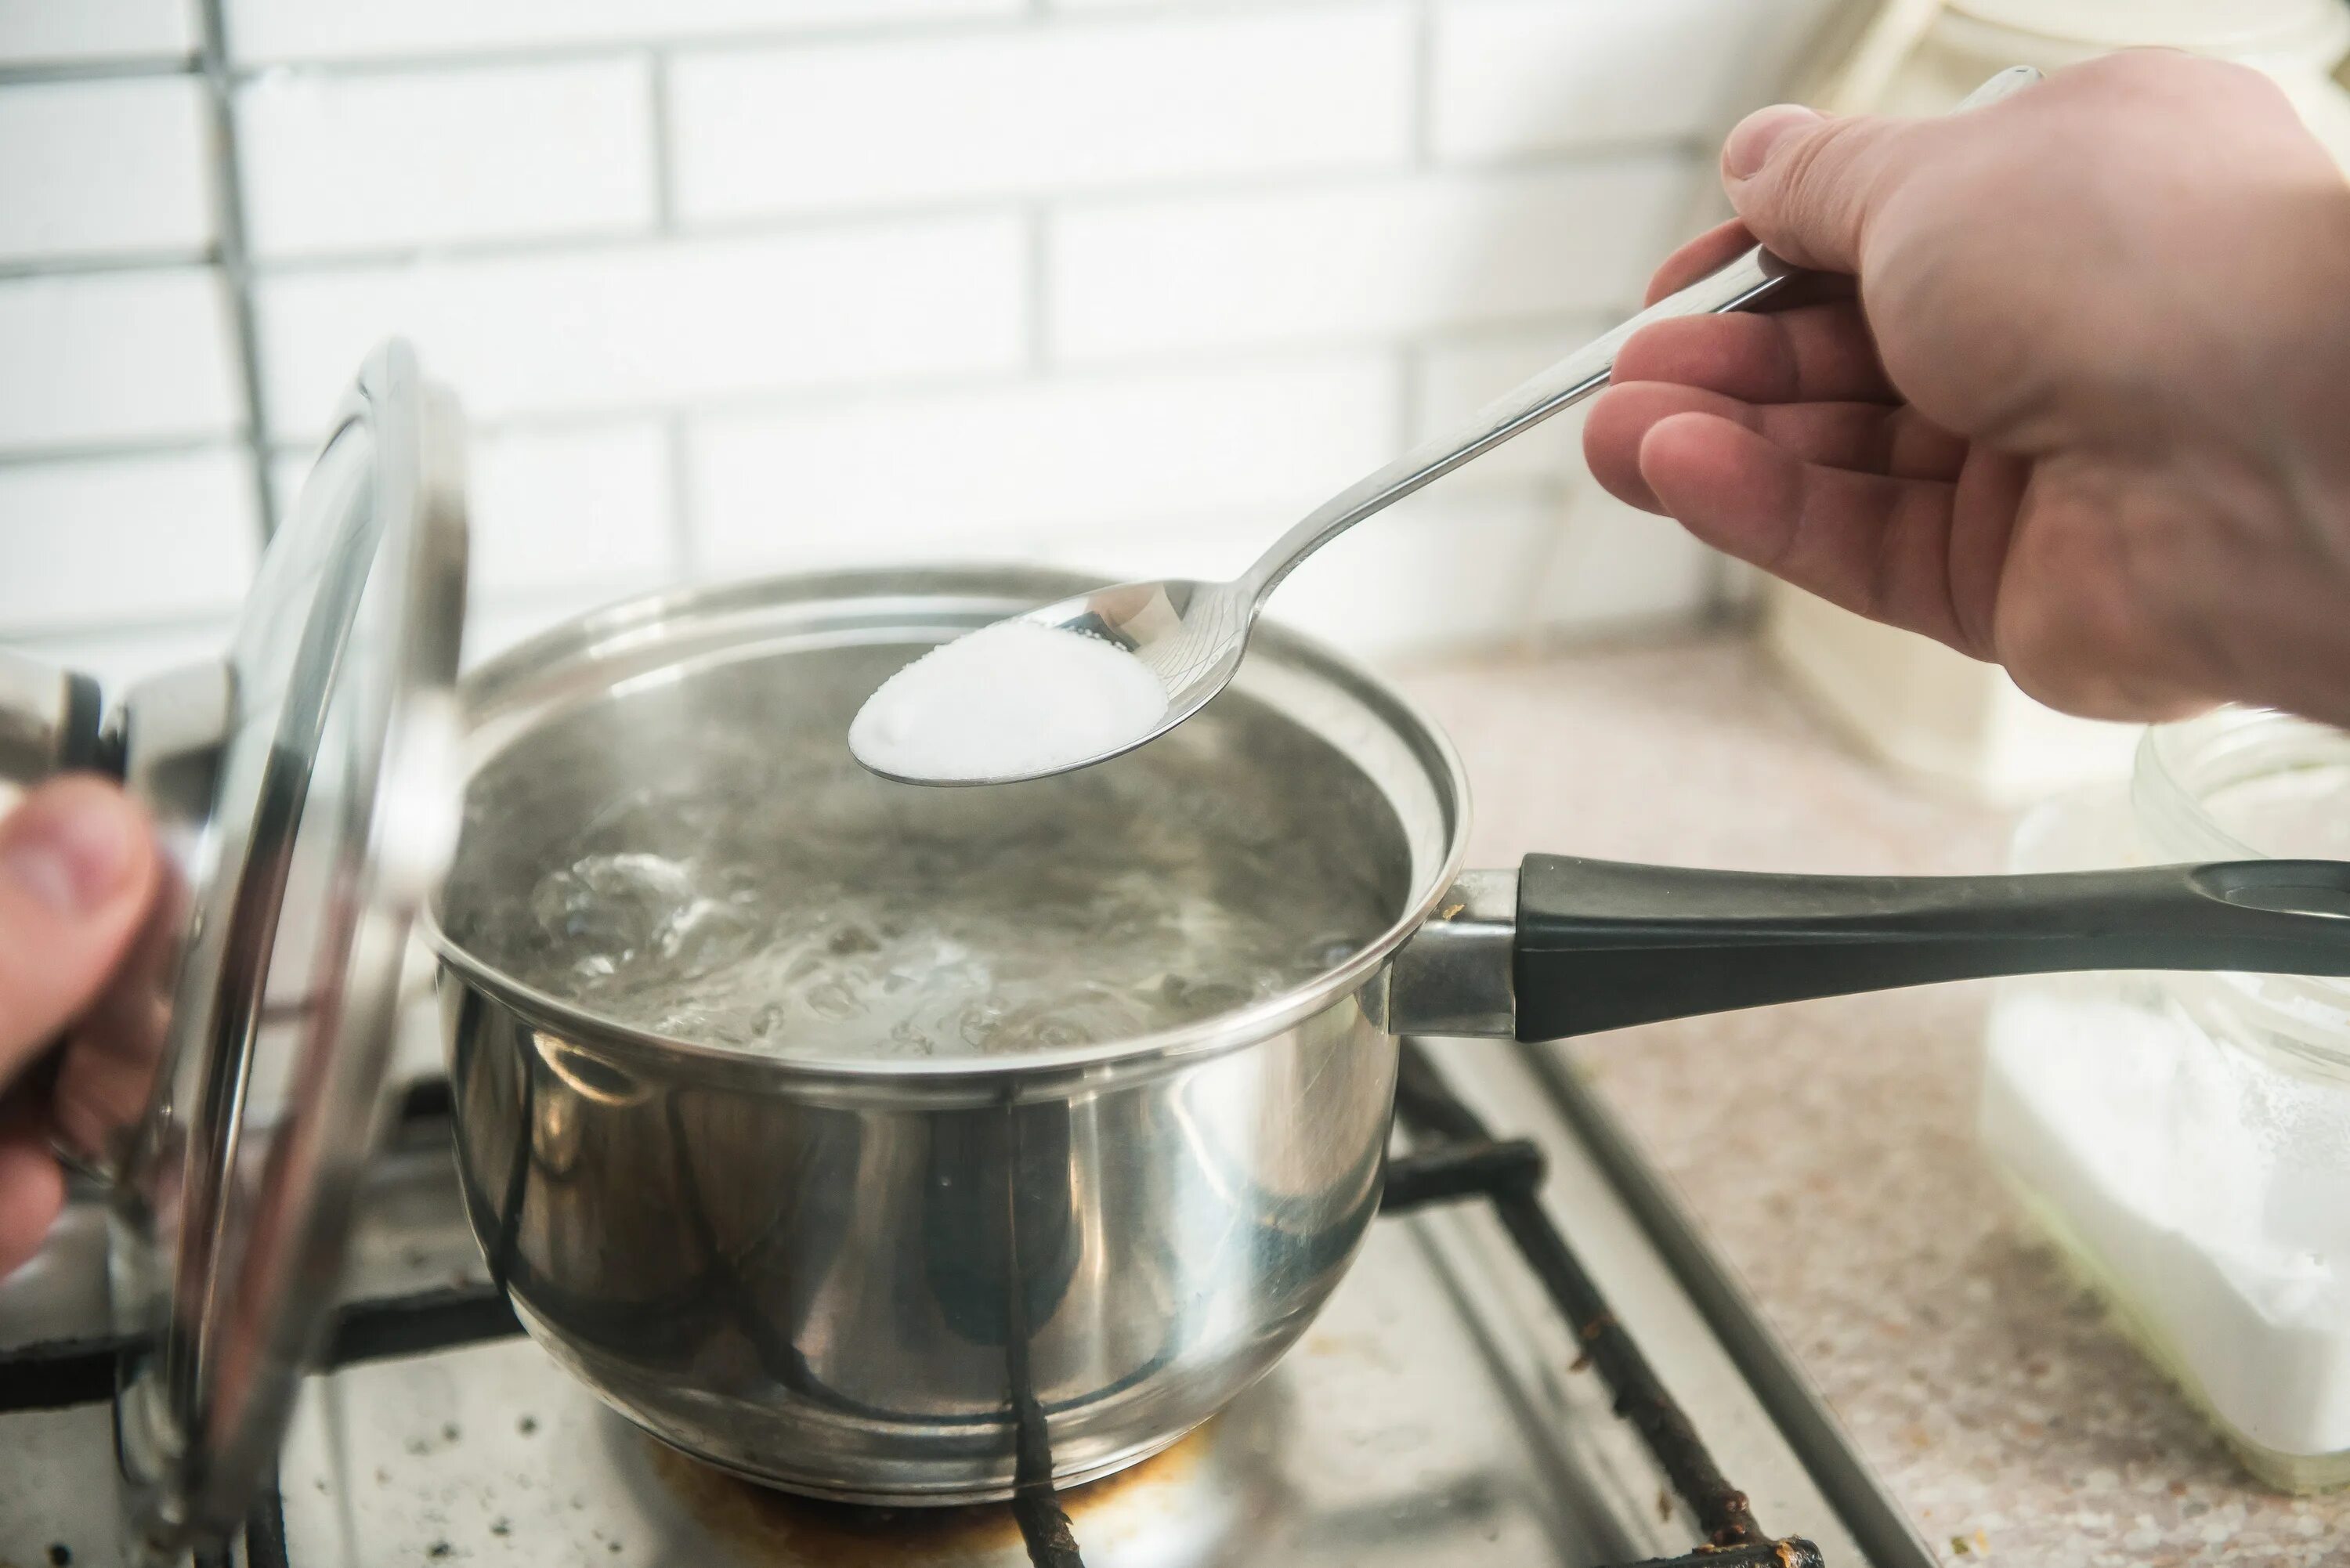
x: 1179, y: 1506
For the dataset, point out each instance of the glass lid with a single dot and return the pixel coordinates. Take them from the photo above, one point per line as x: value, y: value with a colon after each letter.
x: 333, y: 799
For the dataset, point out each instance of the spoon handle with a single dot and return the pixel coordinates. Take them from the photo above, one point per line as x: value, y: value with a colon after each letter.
x: 1740, y: 284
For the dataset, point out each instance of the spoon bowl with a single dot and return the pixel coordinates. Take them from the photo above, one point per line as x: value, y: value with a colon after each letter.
x: 1190, y: 634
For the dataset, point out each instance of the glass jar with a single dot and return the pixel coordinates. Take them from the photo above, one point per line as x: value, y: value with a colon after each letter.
x: 2184, y: 1139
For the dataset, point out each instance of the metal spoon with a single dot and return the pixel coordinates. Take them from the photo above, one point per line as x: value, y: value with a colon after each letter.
x: 1191, y: 634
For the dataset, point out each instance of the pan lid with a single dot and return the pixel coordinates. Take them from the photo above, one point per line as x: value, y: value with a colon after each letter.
x: 331, y: 782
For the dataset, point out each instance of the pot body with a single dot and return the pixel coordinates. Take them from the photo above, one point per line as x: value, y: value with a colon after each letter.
x: 865, y: 1298
x: 918, y: 1279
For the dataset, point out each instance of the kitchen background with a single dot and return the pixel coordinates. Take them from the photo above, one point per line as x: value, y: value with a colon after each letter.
x: 742, y: 285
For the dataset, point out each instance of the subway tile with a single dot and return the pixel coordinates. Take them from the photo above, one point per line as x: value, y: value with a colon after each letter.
x: 572, y: 509
x: 989, y: 472
x: 1444, y: 571
x: 1453, y: 567
x: 619, y: 327
x: 1531, y: 76
x: 266, y: 31
x: 1617, y: 567
x: 557, y: 511
x: 1353, y: 262
x: 1459, y: 376
x: 118, y: 541
x: 118, y: 659
x: 343, y: 162
x: 115, y: 356
x: 1041, y: 109
x: 103, y: 168
x: 63, y: 32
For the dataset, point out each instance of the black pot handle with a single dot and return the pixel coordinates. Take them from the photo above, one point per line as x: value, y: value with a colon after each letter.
x: 1602, y: 945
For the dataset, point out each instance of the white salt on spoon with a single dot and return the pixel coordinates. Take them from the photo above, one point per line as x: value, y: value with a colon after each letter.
x: 1012, y: 700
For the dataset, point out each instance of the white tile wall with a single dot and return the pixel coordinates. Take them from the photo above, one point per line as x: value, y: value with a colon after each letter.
x: 92, y: 169
x: 280, y: 30
x: 737, y: 285
x: 117, y: 658
x: 576, y: 509
x: 1459, y: 567
x: 52, y: 32
x: 1375, y: 259
x: 1513, y: 76
x: 115, y: 358
x: 123, y: 541
x: 1461, y: 373
x: 1445, y: 571
x: 995, y: 470
x: 1037, y: 111
x: 582, y: 510
x: 629, y: 326
x: 411, y: 159
x: 1615, y: 566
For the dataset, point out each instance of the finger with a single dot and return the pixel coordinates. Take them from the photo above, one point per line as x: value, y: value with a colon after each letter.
x: 1710, y: 251
x: 76, y: 869
x: 1807, y: 187
x: 1875, y: 545
x: 1867, y: 438
x: 1820, y: 353
x: 32, y: 1190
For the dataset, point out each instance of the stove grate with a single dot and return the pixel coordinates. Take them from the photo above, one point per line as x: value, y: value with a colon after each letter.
x: 1452, y: 1157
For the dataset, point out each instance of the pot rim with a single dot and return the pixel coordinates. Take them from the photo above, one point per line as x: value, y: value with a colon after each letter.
x: 629, y: 619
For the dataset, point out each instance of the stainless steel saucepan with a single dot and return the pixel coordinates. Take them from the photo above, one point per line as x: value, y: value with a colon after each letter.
x: 899, y: 1278
x: 866, y: 1273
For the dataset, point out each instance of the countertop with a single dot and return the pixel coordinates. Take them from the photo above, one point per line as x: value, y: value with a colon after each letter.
x: 1828, y: 1146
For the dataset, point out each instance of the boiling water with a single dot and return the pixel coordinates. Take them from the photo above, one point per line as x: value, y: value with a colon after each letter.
x: 715, y: 866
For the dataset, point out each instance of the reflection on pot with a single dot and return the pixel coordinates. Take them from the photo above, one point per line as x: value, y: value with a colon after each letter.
x: 829, y: 1294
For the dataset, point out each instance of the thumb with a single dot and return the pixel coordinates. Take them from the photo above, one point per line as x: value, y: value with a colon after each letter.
x: 77, y: 868
x: 1806, y: 185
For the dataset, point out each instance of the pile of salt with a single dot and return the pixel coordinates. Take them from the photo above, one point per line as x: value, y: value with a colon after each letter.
x: 1010, y: 699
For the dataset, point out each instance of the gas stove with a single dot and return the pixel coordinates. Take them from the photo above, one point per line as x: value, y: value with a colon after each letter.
x: 1537, y: 1360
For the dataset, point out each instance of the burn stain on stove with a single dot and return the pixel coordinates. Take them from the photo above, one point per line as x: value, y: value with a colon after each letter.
x: 778, y: 1526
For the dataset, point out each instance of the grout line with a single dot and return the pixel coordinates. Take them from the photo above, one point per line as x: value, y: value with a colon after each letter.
x: 89, y: 265
x: 99, y: 70
x: 664, y: 147
x: 840, y: 220
x: 682, y: 533
x: 236, y: 263
x: 165, y: 623
x: 888, y: 28
x: 115, y: 450
x: 1229, y: 360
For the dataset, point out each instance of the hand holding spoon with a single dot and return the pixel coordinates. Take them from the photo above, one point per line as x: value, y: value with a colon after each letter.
x: 1190, y: 635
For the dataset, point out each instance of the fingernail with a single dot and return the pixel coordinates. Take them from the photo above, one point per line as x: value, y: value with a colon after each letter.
x: 1749, y: 144
x: 71, y: 855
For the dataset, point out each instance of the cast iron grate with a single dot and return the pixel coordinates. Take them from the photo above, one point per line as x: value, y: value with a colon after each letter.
x: 1454, y: 1157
